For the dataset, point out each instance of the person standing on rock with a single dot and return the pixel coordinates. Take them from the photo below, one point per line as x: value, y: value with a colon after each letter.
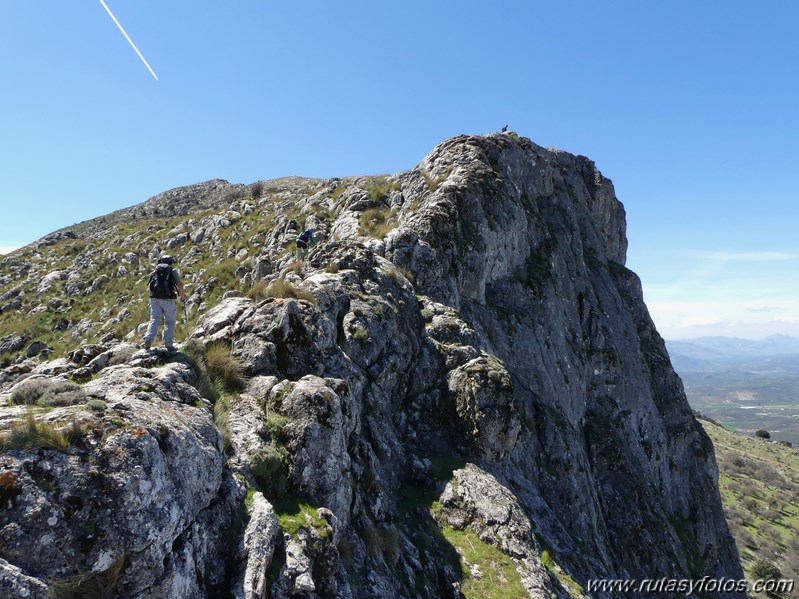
x: 165, y: 286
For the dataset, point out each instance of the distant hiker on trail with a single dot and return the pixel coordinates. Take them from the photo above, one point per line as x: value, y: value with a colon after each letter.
x: 304, y: 240
x: 505, y: 129
x: 164, y: 282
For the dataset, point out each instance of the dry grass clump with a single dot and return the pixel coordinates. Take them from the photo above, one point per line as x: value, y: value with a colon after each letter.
x: 220, y: 376
x: 397, y: 274
x: 33, y: 434
x: 257, y: 291
x: 223, y: 366
x: 377, y: 222
x: 283, y: 288
x: 93, y: 585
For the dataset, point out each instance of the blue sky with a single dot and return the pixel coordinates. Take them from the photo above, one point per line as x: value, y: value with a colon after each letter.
x: 689, y: 107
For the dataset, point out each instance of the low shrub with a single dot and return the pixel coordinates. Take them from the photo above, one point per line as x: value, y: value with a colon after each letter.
x: 47, y: 393
x: 396, y: 275
x: 379, y: 188
x: 257, y: 190
x: 29, y: 391
x: 62, y: 393
x: 219, y: 376
x: 275, y: 421
x: 96, y: 405
x: 268, y: 467
x: 294, y: 513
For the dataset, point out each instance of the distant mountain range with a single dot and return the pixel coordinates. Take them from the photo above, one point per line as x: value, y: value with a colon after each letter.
x: 745, y: 384
x: 705, y: 353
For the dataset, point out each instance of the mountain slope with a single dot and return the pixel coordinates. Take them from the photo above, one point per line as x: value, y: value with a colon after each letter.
x: 760, y: 490
x: 459, y: 385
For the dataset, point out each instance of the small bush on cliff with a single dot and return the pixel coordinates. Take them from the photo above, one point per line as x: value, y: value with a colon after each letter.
x: 268, y: 467
x: 537, y: 269
x: 360, y: 333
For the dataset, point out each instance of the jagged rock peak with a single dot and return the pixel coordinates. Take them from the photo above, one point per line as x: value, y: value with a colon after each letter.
x: 458, y: 387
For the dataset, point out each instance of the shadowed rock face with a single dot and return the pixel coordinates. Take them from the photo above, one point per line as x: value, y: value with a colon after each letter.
x: 484, y: 376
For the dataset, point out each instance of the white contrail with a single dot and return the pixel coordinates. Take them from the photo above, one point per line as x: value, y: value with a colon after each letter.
x: 127, y: 37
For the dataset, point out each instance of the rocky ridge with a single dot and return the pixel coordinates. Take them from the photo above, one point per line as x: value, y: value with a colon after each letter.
x: 459, y: 389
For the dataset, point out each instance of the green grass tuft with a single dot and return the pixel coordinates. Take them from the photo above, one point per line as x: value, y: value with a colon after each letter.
x: 294, y: 513
x: 498, y: 576
x: 377, y: 222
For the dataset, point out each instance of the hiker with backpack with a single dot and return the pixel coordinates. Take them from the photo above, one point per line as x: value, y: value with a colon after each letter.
x: 165, y: 286
x: 305, y: 240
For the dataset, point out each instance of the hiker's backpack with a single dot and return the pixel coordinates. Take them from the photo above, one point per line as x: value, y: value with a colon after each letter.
x: 162, y: 283
x: 305, y: 236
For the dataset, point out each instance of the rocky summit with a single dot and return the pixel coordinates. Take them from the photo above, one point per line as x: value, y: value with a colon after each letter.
x: 458, y: 392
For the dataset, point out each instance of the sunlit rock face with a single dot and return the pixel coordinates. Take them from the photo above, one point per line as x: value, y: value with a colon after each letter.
x: 459, y: 385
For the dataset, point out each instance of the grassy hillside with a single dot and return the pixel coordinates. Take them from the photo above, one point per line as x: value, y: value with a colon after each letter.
x: 759, y: 482
x: 87, y: 284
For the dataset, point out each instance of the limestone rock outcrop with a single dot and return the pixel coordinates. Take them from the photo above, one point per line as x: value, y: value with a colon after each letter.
x: 459, y: 384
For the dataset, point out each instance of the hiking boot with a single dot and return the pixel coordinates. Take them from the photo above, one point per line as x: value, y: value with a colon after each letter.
x: 146, y: 345
x: 171, y: 349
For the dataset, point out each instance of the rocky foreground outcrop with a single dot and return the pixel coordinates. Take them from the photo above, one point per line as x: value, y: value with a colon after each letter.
x: 474, y: 398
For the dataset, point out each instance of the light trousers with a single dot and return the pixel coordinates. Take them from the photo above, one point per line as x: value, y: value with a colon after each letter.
x: 166, y: 309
